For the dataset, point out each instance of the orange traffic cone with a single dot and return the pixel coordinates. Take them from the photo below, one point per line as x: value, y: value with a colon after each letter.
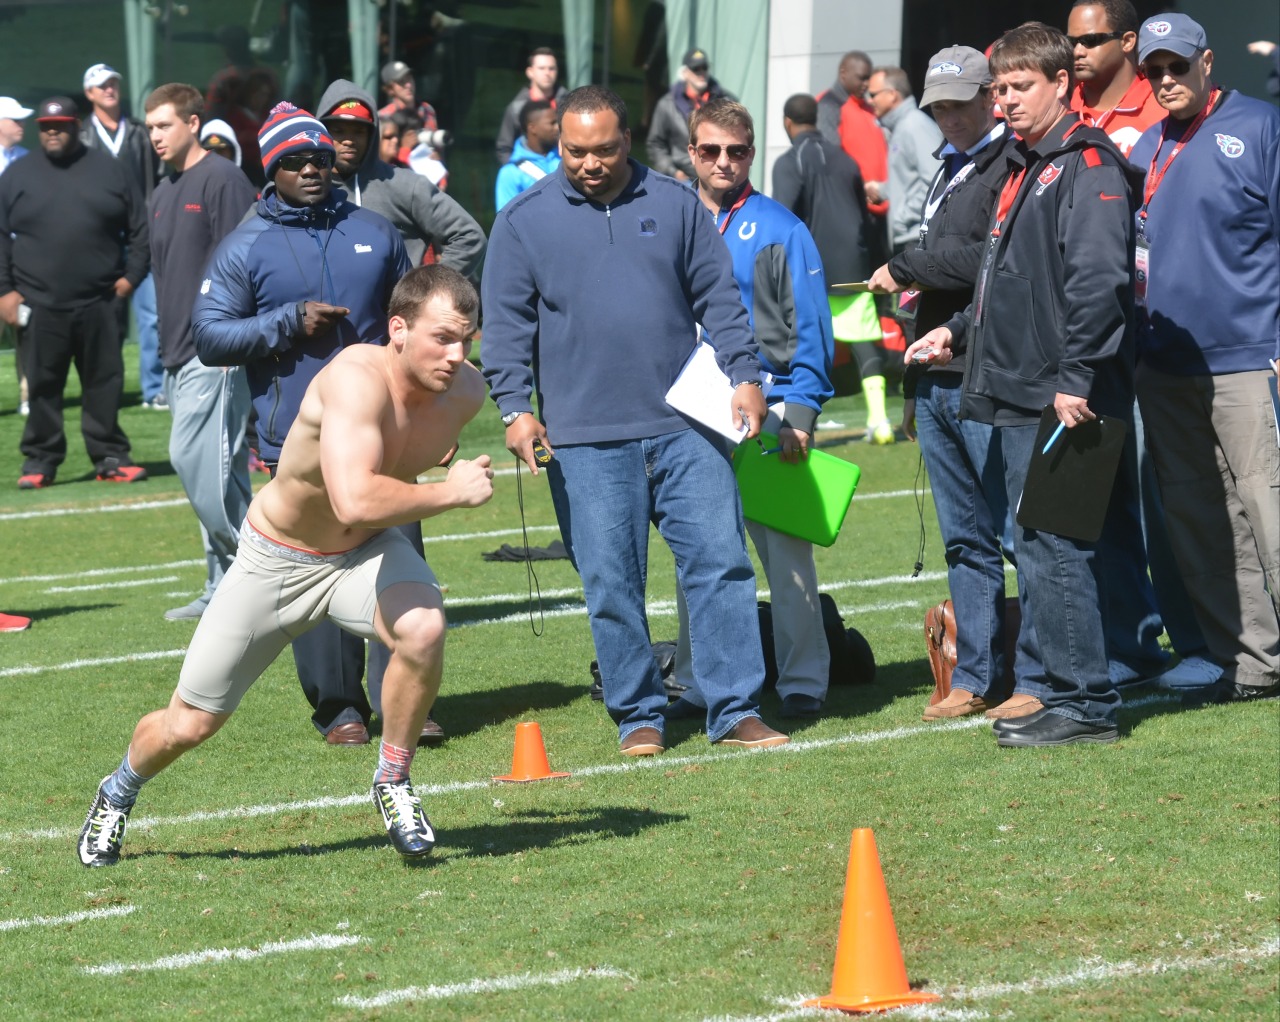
x: 529, y: 761
x: 869, y: 973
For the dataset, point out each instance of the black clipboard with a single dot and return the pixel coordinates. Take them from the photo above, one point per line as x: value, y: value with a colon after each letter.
x: 1069, y: 487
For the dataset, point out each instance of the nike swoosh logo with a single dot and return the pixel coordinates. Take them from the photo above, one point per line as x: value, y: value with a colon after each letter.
x: 1104, y: 196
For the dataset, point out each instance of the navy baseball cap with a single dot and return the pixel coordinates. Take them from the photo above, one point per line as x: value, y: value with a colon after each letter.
x: 1173, y: 32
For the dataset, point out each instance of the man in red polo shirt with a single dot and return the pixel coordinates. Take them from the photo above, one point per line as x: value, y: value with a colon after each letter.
x: 1110, y: 93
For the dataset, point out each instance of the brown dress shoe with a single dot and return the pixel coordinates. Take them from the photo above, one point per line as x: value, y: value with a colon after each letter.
x: 352, y: 733
x: 1016, y: 706
x: 643, y: 741
x: 942, y: 710
x: 432, y: 733
x: 753, y: 733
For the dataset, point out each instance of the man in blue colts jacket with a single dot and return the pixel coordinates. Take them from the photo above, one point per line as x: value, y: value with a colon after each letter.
x: 288, y: 289
x: 779, y: 272
x: 1209, y: 319
x: 596, y: 280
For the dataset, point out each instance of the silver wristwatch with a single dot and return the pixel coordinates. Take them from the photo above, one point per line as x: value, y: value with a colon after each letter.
x: 511, y: 417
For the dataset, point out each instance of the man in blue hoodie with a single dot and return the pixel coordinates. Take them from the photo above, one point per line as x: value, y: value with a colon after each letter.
x: 536, y: 153
x: 288, y: 289
x: 597, y: 278
x: 1208, y: 293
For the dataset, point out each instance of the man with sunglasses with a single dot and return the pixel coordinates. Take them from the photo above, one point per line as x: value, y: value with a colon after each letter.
x: 1109, y: 92
x: 304, y: 277
x: 779, y: 272
x: 1112, y: 95
x: 1208, y: 291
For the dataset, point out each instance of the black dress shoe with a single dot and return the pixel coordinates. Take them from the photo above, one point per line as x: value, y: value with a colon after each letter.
x: 1229, y: 692
x: 1054, y: 729
x: 801, y: 706
x: 1010, y: 724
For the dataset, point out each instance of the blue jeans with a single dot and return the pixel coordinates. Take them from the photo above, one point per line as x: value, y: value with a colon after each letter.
x: 150, y: 369
x: 966, y: 477
x: 606, y: 495
x: 1063, y: 599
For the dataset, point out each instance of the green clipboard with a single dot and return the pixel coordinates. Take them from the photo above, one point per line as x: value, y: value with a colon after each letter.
x: 808, y: 500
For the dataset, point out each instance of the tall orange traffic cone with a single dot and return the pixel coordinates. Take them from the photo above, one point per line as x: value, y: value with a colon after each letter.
x: 869, y: 974
x: 529, y: 761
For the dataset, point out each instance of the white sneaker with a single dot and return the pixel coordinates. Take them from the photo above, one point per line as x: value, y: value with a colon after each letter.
x: 24, y: 408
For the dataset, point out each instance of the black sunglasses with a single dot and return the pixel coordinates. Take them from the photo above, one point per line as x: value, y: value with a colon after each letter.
x: 711, y: 151
x: 1093, y: 39
x: 295, y: 162
x: 1155, y: 72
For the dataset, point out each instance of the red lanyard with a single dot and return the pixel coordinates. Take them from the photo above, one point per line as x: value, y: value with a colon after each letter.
x: 1154, y: 177
x: 1007, y: 195
x: 746, y: 190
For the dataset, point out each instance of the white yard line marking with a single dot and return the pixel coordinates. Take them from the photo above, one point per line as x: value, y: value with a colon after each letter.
x: 74, y: 917
x: 1091, y: 972
x: 75, y: 665
x: 500, y: 984
x: 316, y: 942
x: 132, y: 569
x: 656, y: 763
x: 133, y: 584
x: 103, y: 509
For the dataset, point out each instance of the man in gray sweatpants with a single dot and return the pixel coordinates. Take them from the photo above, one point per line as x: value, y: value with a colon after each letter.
x: 191, y: 210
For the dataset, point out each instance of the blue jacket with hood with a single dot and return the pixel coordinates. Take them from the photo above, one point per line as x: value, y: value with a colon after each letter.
x: 250, y: 306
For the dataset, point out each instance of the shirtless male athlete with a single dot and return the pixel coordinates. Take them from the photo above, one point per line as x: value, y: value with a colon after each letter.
x: 318, y: 543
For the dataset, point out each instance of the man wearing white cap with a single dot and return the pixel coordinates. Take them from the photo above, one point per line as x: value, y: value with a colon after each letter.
x: 107, y: 128
x: 1207, y: 327
x: 11, y: 114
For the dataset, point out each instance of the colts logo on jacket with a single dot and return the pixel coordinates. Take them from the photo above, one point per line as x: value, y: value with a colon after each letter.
x: 1231, y: 147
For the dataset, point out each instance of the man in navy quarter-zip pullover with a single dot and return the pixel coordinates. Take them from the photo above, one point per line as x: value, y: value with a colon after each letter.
x: 288, y: 289
x: 596, y: 279
x: 1208, y: 293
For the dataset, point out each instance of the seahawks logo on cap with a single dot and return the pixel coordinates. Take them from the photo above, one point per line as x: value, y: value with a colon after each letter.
x: 945, y: 68
x: 1232, y: 147
x: 1159, y: 27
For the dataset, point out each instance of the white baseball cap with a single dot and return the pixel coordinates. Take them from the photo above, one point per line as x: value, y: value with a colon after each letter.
x: 11, y: 108
x: 100, y: 74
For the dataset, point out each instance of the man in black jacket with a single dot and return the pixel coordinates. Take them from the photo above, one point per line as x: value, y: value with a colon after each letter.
x: 64, y: 213
x: 108, y: 129
x: 821, y: 184
x: 1052, y: 325
x: 962, y: 455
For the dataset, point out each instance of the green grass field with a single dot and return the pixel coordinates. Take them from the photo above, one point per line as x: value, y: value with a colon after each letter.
x: 1133, y: 881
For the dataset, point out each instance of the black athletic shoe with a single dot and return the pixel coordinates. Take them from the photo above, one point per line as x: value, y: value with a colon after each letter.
x: 103, y: 832
x: 402, y: 814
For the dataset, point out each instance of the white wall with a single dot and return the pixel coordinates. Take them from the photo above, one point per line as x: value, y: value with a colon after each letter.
x: 807, y: 38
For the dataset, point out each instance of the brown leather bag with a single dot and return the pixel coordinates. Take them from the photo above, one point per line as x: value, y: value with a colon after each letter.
x: 940, y: 640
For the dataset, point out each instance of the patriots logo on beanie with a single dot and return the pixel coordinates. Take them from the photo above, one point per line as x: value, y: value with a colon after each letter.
x: 289, y: 129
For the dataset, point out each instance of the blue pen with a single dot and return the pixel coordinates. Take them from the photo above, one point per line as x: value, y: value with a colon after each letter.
x: 1053, y: 439
x: 771, y: 450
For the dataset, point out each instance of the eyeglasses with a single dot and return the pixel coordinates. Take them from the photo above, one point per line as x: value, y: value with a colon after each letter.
x: 873, y: 95
x: 295, y: 162
x: 711, y: 151
x: 1155, y: 72
x: 1093, y: 39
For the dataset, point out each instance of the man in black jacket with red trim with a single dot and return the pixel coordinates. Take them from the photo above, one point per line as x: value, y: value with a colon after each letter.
x: 1051, y: 324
